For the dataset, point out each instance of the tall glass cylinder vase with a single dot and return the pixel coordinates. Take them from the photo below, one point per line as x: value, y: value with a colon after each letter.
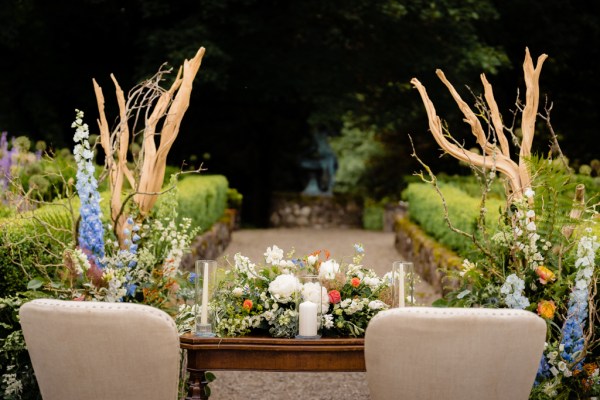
x: 206, y: 281
x: 309, y: 310
x: 403, y: 284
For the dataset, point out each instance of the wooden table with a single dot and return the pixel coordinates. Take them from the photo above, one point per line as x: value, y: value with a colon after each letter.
x: 268, y: 354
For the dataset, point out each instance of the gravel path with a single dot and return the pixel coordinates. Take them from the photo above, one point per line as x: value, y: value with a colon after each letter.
x: 379, y: 255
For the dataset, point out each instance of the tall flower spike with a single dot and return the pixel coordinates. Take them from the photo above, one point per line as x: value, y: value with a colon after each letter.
x: 91, y: 231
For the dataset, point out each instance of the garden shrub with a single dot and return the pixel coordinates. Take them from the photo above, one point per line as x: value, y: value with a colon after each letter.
x: 31, y: 240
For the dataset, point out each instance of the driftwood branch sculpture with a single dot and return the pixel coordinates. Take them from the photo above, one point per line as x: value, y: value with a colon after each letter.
x: 163, y: 108
x: 493, y: 156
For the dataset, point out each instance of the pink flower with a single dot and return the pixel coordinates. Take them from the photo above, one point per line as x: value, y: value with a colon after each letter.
x: 334, y: 297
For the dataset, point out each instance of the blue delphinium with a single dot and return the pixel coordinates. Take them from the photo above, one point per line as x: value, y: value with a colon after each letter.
x: 543, y: 371
x: 91, y: 231
x: 572, y: 333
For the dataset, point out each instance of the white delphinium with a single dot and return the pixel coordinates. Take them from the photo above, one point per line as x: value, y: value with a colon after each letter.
x: 283, y: 288
x: 525, y: 233
x: 243, y: 265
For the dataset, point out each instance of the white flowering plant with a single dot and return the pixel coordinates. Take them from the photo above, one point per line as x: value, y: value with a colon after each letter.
x: 253, y: 299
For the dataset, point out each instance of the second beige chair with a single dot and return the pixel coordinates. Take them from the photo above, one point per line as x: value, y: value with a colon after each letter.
x: 419, y: 353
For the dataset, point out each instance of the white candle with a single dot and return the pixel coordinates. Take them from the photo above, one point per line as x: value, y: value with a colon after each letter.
x: 308, y: 319
x: 204, y: 315
x: 401, y: 295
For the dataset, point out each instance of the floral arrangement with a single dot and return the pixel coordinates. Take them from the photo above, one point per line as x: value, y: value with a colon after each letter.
x: 145, y: 268
x: 547, y: 265
x: 542, y: 255
x: 131, y: 255
x: 253, y: 299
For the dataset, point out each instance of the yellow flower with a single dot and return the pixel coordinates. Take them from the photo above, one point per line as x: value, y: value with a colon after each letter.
x: 546, y: 309
x: 545, y: 275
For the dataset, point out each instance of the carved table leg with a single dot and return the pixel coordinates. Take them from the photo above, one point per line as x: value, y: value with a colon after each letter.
x: 197, y: 386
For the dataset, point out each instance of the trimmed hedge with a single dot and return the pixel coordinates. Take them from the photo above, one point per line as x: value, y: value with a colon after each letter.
x: 426, y: 209
x: 39, y: 237
x: 203, y: 199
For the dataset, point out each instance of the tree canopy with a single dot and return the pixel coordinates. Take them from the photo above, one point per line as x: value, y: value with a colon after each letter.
x: 276, y: 71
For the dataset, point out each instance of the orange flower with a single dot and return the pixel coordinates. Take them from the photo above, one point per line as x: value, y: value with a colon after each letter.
x: 590, y: 368
x: 355, y: 282
x: 546, y: 309
x: 545, y: 274
x: 247, y: 305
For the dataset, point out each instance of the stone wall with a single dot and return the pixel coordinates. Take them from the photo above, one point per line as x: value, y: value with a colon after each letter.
x: 431, y: 259
x: 212, y: 243
x: 301, y: 211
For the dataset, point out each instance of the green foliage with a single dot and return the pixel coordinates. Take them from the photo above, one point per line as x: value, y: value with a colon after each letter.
x: 354, y: 148
x: 373, y: 213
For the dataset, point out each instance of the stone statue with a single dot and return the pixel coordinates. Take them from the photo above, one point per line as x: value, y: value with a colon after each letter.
x: 322, y: 167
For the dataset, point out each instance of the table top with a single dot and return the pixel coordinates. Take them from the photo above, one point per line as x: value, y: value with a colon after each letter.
x: 189, y: 340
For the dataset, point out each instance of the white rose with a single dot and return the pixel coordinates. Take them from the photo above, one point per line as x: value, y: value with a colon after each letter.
x: 238, y: 291
x: 283, y: 287
x: 310, y: 292
x: 328, y: 269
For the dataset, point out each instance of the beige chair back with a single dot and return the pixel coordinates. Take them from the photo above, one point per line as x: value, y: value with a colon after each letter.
x: 101, y: 350
x: 432, y: 353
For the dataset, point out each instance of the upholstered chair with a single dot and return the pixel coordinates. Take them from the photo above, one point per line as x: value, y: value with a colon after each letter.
x: 101, y: 350
x: 432, y: 353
